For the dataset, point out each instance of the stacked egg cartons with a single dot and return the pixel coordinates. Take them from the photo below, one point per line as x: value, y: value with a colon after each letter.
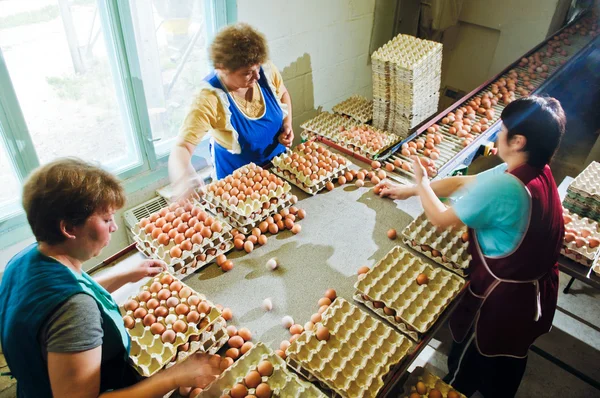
x: 326, y: 125
x: 582, y: 239
x: 168, y: 321
x: 583, y: 194
x: 423, y: 383
x: 355, y: 360
x: 393, y: 291
x: 366, y: 140
x: 357, y: 107
x: 247, y: 197
x: 310, y: 166
x: 184, y: 236
x: 448, y: 247
x: 260, y: 366
x: 406, y: 83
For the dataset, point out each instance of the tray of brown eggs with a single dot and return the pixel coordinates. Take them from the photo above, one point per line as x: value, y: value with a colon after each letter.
x: 366, y: 140
x: 310, y: 166
x: 348, y: 353
x: 262, y: 374
x: 421, y: 383
x: 184, y: 236
x: 407, y: 292
x: 167, y: 320
x: 582, y: 238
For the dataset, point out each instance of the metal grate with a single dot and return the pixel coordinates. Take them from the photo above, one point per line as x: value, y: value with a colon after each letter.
x: 134, y: 215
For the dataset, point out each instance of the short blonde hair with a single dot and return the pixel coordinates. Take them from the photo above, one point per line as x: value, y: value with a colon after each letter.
x: 67, y: 190
x: 238, y: 46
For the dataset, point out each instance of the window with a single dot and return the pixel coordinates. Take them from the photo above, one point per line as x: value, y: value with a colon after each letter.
x: 108, y: 81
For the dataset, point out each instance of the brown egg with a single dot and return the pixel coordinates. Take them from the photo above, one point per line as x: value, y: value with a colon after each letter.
x: 414, y: 395
x: 284, y: 345
x: 179, y: 238
x: 182, y: 309
x: 197, y: 239
x: 246, y: 347
x: 422, y: 279
x: 175, y: 286
x: 263, y: 391
x: 265, y: 368
x: 193, y: 317
x: 216, y: 227
x: 315, y: 318
x: 435, y: 393
x: 453, y: 394
x: 155, y: 287
x: 168, y: 336
x: 227, y: 266
x: 149, y: 320
x: 296, y: 329
x: 580, y: 242
x: 172, y: 302
x: 363, y: 270
x: 421, y: 388
x: 180, y: 326
x: 152, y: 303
x: 389, y: 311
x: 238, y: 391
x: 392, y: 234
x: 131, y: 305
x: 129, y: 322
x: 296, y: 229
x: 248, y: 246
x: 204, y: 307
x: 225, y: 363
x: 273, y: 228
x: 585, y: 232
x: 157, y: 328
x: 465, y: 237
x: 593, y: 242
x: 252, y: 239
x: 166, y: 279
x: 163, y: 239
x: 238, y: 243
x: 232, y: 353
x: 262, y: 240
x: 175, y: 252
x: 140, y: 313
x: 236, y: 342
x: 322, y: 333
x: 324, y: 301
x: 144, y: 296
x: 252, y: 379
x: 227, y: 314
x: 570, y: 237
x: 390, y: 166
x: 331, y: 294
x: 161, y: 311
x: 281, y: 354
x: 206, y: 232
x: 163, y: 294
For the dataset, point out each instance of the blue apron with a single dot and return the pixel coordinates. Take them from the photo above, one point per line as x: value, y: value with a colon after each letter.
x: 258, y: 138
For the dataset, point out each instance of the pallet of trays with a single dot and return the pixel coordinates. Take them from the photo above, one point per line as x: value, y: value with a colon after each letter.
x: 327, y: 125
x: 247, y: 197
x: 448, y: 247
x: 348, y: 353
x: 357, y: 107
x: 184, y: 236
x: 261, y: 373
x: 310, y: 166
x: 583, y: 194
x: 582, y: 238
x: 422, y: 383
x: 367, y: 140
x: 407, y: 292
x: 167, y: 321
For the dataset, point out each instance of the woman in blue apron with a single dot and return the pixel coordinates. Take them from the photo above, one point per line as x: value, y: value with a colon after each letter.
x: 61, y: 331
x: 243, y: 105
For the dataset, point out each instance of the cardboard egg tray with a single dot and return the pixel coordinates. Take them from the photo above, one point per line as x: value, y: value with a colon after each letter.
x: 583, y: 254
x: 283, y: 382
x: 148, y: 352
x: 581, y: 206
x: 357, y: 107
x: 430, y: 380
x: 393, y: 281
x: 356, y: 359
x: 274, y: 187
x: 587, y: 183
x: 327, y: 125
x: 445, y: 247
x: 283, y: 168
x: 351, y: 140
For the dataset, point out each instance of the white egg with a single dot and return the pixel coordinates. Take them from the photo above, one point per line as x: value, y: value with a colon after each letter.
x: 287, y: 321
x: 170, y: 319
x: 272, y: 264
x: 267, y: 304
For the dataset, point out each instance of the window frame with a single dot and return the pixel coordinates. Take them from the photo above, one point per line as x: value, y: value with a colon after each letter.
x: 120, y: 40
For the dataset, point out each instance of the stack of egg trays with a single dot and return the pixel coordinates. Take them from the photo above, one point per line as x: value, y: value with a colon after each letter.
x: 327, y: 125
x: 280, y: 169
x: 357, y: 107
x: 356, y: 360
x: 392, y: 281
x: 190, y: 261
x: 583, y: 194
x: 584, y: 255
x: 149, y: 354
x: 430, y: 380
x: 356, y: 146
x: 445, y: 247
x: 283, y: 383
x: 246, y: 224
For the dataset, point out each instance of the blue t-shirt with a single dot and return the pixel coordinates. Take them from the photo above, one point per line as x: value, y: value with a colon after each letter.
x: 496, y: 206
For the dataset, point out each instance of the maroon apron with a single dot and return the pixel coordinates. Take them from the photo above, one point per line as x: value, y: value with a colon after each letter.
x: 511, y: 299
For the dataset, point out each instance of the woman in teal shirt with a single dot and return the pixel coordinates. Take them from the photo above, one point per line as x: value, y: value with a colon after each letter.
x: 61, y: 331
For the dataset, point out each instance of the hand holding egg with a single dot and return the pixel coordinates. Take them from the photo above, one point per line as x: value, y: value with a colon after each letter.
x: 419, y: 170
x: 145, y: 268
x: 394, y: 191
x: 197, y: 370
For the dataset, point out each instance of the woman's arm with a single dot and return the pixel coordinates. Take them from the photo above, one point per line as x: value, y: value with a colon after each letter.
x: 442, y: 188
x: 116, y: 277
x: 287, y: 135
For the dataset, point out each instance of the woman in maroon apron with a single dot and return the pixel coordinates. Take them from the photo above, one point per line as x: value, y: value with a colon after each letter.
x: 512, y: 297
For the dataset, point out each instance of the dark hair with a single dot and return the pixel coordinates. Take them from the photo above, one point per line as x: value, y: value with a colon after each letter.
x: 541, y: 120
x: 238, y: 46
x: 68, y: 190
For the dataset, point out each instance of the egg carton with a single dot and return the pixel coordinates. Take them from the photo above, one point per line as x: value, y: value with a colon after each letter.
x: 351, y: 139
x: 583, y: 254
x: 218, y: 192
x: 283, y: 383
x: 148, y: 352
x: 246, y: 224
x: 327, y: 125
x: 283, y: 166
x: 407, y: 52
x: 587, y: 183
x: 357, y: 107
x: 393, y: 282
x: 584, y: 210
x: 356, y: 360
x: 445, y: 247
x: 430, y: 381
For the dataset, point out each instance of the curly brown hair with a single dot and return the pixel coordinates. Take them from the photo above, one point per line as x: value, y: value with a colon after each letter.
x: 67, y: 190
x: 238, y: 46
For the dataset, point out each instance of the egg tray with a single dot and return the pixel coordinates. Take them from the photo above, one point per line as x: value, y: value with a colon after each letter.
x: 405, y: 51
x: 392, y: 281
x: 246, y: 224
x: 355, y: 145
x: 587, y: 183
x: 430, y: 380
x: 357, y: 107
x: 283, y: 383
x: 311, y: 190
x: 356, y: 360
x: 581, y: 209
x: 148, y: 352
x: 445, y: 247
x: 584, y: 254
x: 190, y: 260
x: 327, y: 125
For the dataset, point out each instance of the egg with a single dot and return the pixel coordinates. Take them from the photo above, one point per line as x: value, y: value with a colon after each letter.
x: 175, y: 286
x: 421, y: 388
x: 287, y: 321
x: 193, y: 317
x: 281, y: 354
x: 329, y: 186
x: 172, y: 302
x: 359, y: 183
x: 238, y: 243
x: 238, y: 391
x: 227, y: 314
x: 163, y: 294
x: 296, y: 329
x: 322, y: 333
x: 175, y: 251
x: 284, y: 345
x: 585, y: 232
x: 157, y: 328
x: 465, y: 237
x: 296, y: 229
x: 392, y: 234
x: 267, y: 304
x: 182, y: 309
x: 168, y: 336
x: 235, y: 342
x: 341, y: 180
x: 129, y: 322
x: 263, y: 391
x: 580, y: 242
x: 331, y: 294
x: 227, y: 266
x: 180, y: 326
x: 225, y: 363
x: 570, y: 237
x: 435, y: 393
x: 232, y: 353
x: 245, y: 334
x: 185, y: 292
x: 363, y: 270
x: 204, y: 307
x: 273, y: 228
x: 324, y: 301
x: 301, y: 214
x: 414, y: 395
x: 140, y: 313
x: 452, y: 394
x: 161, y: 311
x: 265, y: 368
x: 422, y: 279
x: 152, y: 303
x: 131, y: 305
x: 248, y: 246
x: 593, y: 242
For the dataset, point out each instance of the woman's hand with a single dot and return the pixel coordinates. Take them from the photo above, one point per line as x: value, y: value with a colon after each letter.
x: 394, y: 191
x: 419, y: 170
x: 286, y: 137
x: 198, y: 370
x: 144, y: 269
